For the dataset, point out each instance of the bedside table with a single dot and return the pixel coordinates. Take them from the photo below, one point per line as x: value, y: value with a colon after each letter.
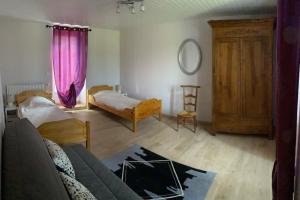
x: 10, y: 113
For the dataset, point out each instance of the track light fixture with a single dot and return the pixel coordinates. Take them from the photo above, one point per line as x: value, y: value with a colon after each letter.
x: 131, y: 4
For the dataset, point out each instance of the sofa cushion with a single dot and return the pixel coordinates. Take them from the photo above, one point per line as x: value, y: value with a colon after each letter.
x: 28, y: 171
x: 60, y: 158
x: 76, y: 190
x: 95, y: 176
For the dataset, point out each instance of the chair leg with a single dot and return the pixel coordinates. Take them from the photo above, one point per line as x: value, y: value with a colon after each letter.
x: 177, y: 123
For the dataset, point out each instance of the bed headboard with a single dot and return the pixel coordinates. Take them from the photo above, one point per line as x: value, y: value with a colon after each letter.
x: 29, y: 93
x: 13, y: 90
x: 98, y: 88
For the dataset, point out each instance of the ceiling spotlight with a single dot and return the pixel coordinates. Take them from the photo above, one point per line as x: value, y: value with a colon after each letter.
x: 118, y: 8
x: 132, y: 9
x: 131, y: 5
x: 142, y: 7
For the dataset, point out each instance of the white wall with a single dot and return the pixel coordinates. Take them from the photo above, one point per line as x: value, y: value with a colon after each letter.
x: 25, y: 53
x: 149, y: 65
x: 104, y: 57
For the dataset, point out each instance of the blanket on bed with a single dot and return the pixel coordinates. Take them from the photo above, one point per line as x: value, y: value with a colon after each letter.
x: 39, y: 110
x: 115, y: 100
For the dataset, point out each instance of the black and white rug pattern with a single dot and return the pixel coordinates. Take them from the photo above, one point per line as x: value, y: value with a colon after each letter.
x: 194, y: 183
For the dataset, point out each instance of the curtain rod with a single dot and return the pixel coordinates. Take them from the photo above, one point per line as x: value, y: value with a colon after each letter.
x: 51, y: 26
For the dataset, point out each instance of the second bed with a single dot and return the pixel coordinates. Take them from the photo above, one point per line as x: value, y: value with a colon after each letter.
x: 104, y: 97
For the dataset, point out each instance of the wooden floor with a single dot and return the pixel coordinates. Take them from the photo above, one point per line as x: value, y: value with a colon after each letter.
x: 243, y: 163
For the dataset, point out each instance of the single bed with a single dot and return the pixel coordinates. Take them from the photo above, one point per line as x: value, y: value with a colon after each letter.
x: 52, y: 122
x: 105, y: 98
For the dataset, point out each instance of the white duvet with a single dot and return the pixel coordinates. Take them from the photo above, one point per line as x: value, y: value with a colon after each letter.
x: 39, y: 110
x: 115, y: 100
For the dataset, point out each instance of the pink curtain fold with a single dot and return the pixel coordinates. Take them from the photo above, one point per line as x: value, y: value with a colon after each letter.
x: 69, y: 62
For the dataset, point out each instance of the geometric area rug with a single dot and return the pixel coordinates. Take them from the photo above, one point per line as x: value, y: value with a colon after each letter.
x: 152, y: 176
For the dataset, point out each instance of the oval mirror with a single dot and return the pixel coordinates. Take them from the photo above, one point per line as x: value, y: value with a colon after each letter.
x: 189, y: 56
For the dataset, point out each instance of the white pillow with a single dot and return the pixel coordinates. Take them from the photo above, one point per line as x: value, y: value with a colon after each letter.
x: 60, y: 158
x: 36, y: 101
x: 40, y: 101
x: 76, y: 190
x: 105, y: 92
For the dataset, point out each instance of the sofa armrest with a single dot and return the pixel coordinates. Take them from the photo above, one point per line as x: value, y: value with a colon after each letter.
x: 97, y: 177
x: 28, y: 171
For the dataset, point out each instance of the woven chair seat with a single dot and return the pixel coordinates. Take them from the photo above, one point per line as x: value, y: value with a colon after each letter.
x: 186, y: 114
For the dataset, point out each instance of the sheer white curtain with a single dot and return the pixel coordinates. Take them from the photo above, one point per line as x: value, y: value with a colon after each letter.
x: 81, y: 99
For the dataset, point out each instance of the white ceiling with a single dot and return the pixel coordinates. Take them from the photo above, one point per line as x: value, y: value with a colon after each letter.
x: 102, y: 13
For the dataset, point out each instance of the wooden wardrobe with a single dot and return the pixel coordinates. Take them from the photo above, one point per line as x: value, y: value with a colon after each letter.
x: 242, y: 76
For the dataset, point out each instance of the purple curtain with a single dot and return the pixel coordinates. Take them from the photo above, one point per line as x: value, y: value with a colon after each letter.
x: 286, y: 92
x: 69, y: 62
x: 297, y: 171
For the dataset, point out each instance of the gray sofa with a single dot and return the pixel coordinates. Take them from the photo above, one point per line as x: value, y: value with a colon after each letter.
x: 29, y: 173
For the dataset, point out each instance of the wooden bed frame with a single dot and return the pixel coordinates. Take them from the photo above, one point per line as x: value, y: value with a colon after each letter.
x: 67, y: 131
x: 143, y: 110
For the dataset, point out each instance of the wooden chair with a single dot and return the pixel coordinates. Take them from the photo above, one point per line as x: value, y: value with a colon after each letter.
x: 190, y: 95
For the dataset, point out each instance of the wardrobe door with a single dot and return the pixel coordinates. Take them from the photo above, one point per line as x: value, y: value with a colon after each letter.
x: 256, y: 84
x: 226, y: 75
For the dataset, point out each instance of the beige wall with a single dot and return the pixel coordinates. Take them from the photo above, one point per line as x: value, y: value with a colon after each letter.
x: 104, y: 57
x: 25, y: 53
x: 149, y: 65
